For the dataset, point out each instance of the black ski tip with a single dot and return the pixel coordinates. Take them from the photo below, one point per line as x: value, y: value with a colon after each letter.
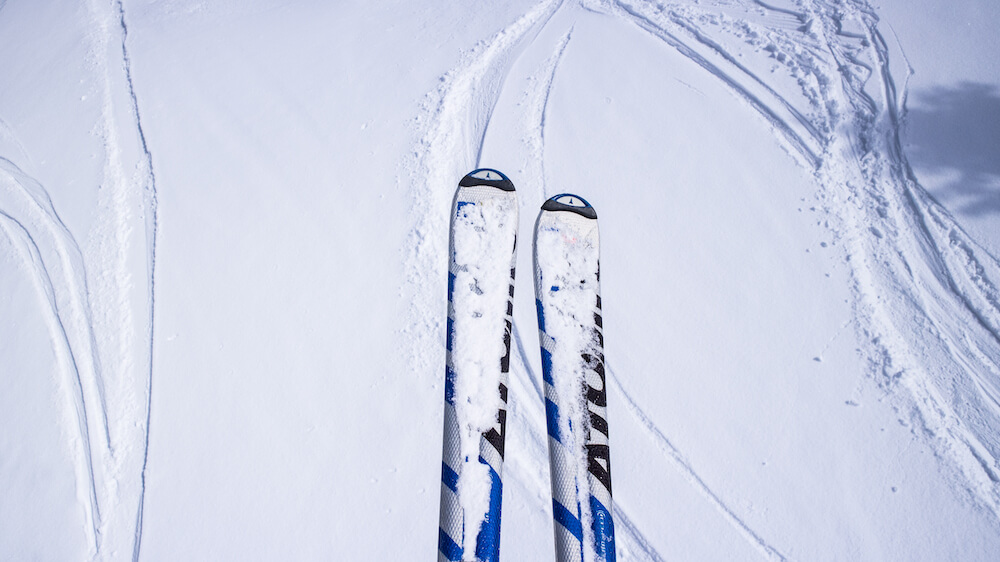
x: 571, y: 203
x: 487, y: 176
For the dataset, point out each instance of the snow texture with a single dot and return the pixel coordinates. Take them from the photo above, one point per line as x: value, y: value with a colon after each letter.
x: 224, y: 251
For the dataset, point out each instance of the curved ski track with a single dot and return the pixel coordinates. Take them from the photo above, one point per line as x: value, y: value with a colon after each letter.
x: 908, y: 253
x: 107, y: 401
x: 51, y: 253
x: 453, y: 122
x: 930, y: 269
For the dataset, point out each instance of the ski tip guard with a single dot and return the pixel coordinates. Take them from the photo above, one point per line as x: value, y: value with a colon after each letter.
x: 571, y: 203
x: 488, y: 177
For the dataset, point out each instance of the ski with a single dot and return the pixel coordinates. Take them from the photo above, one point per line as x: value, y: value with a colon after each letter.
x: 570, y: 329
x: 480, y: 304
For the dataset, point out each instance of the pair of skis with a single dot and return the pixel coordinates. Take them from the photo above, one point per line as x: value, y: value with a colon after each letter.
x: 482, y: 248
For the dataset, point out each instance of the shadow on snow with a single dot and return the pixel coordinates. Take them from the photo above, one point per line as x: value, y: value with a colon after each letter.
x: 954, y: 132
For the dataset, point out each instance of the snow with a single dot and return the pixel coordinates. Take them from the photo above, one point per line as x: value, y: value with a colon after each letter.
x: 224, y: 258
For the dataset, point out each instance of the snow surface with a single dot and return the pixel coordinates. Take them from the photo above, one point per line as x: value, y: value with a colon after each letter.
x: 224, y: 248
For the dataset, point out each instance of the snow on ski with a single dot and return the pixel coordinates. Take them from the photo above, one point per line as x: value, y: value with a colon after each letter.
x: 480, y: 293
x: 568, y: 297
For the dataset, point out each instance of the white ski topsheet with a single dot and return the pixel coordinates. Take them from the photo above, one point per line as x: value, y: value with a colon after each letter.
x: 483, y: 239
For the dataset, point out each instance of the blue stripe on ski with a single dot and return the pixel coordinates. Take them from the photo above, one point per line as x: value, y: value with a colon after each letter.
x: 565, y: 517
x: 449, y: 477
x: 604, y: 531
x: 541, y: 314
x: 552, y: 419
x: 488, y: 540
x: 448, y: 547
x: 547, y: 367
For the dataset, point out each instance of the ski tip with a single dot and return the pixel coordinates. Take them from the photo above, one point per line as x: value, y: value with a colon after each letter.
x: 571, y: 203
x: 489, y: 177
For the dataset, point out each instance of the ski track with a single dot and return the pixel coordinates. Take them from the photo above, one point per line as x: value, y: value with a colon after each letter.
x: 57, y: 265
x: 94, y: 351
x: 526, y: 364
x: 508, y: 62
x: 639, y: 542
x: 537, y: 105
x: 944, y: 277
x: 533, y: 417
x: 538, y: 96
x: 84, y: 465
x: 930, y: 269
x: 145, y: 168
x: 804, y: 141
x: 674, y: 455
x: 452, y: 126
x: 30, y: 200
x: 530, y: 416
x: 7, y: 132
